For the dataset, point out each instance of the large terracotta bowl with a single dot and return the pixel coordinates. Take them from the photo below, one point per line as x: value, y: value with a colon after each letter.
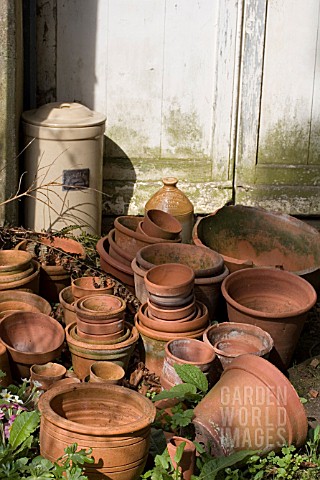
x: 250, y: 236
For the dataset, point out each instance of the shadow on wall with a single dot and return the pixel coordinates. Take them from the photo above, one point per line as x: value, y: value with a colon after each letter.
x: 119, y: 178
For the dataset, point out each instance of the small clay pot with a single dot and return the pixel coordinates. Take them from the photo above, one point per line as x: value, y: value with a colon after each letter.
x: 46, y: 375
x: 171, y: 314
x: 170, y: 280
x: 100, y: 328
x: 230, y: 339
x: 101, y: 338
x: 66, y: 299
x: 162, y: 335
x: 30, y: 338
x: 188, y: 459
x: 171, y: 302
x: 98, y: 339
x: 113, y: 420
x: 117, y: 252
x: 185, y: 351
x: 85, y: 286
x: 117, y: 269
x: 99, y: 308
x: 160, y: 224
x: 106, y: 372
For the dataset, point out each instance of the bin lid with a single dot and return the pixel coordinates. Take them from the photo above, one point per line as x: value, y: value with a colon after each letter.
x: 62, y: 114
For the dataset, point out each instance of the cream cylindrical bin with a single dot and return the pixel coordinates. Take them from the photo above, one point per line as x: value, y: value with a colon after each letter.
x: 63, y: 164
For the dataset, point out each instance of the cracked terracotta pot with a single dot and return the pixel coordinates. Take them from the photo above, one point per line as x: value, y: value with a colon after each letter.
x: 229, y: 340
x: 106, y: 372
x: 252, y: 236
x: 30, y: 338
x: 84, y: 354
x: 185, y: 351
x: 117, y: 269
x: 188, y: 459
x: 252, y: 407
x: 47, y: 375
x: 114, y: 421
x: 276, y: 301
x: 85, y: 286
x: 160, y: 224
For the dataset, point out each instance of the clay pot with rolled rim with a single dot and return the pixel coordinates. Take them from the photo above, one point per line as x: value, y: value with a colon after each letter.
x: 101, y: 338
x: 100, y: 309
x: 204, y: 261
x: 129, y: 239
x: 171, y: 314
x: 174, y: 326
x: 154, y: 344
x: 97, y: 340
x: 19, y: 300
x: 12, y: 262
x: 160, y: 224
x: 100, y: 328
x: 29, y: 283
x: 106, y: 372
x: 276, y: 301
x: 188, y: 459
x: 47, y: 375
x: 117, y: 252
x: 85, y: 286
x: 9, y: 277
x: 170, y: 280
x: 252, y: 407
x: 4, y: 366
x: 184, y: 351
x: 171, y: 302
x: 84, y: 354
x: 252, y: 236
x: 117, y: 269
x: 66, y: 299
x: 114, y: 421
x: 30, y: 338
x: 229, y: 340
x: 54, y: 278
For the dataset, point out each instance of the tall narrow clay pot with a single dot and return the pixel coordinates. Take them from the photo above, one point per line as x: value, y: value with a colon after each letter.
x: 275, y: 300
x: 252, y: 407
x: 114, y: 421
x: 188, y: 459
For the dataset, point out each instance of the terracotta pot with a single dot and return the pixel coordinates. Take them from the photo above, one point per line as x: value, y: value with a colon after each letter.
x: 55, y: 278
x: 171, y: 279
x: 188, y: 459
x: 129, y: 239
x: 84, y: 354
x: 30, y: 338
x: 252, y: 407
x: 19, y: 300
x: 66, y: 299
x: 172, y: 200
x: 13, y: 262
x: 204, y: 261
x: 114, y: 421
x: 183, y: 351
x: 100, y: 328
x: 5, y: 366
x: 47, y: 375
x: 160, y: 224
x: 154, y: 344
x: 229, y: 340
x: 176, y: 327
x: 251, y: 236
x: 171, y: 302
x: 110, y: 265
x: 275, y: 300
x: 139, y: 285
x: 29, y: 283
x: 85, y: 286
x: 208, y: 291
x: 16, y: 276
x: 101, y: 338
x: 98, y: 339
x: 171, y: 314
x: 117, y: 252
x: 106, y: 372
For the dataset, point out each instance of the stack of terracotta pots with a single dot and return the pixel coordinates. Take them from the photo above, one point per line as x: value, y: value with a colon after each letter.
x: 208, y: 267
x: 100, y: 333
x: 170, y: 311
x: 130, y: 234
x: 18, y: 271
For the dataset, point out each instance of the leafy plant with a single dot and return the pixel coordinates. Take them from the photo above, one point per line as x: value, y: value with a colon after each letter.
x: 164, y: 468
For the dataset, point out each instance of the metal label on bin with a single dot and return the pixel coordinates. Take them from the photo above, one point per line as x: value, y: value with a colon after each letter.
x: 75, y: 179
